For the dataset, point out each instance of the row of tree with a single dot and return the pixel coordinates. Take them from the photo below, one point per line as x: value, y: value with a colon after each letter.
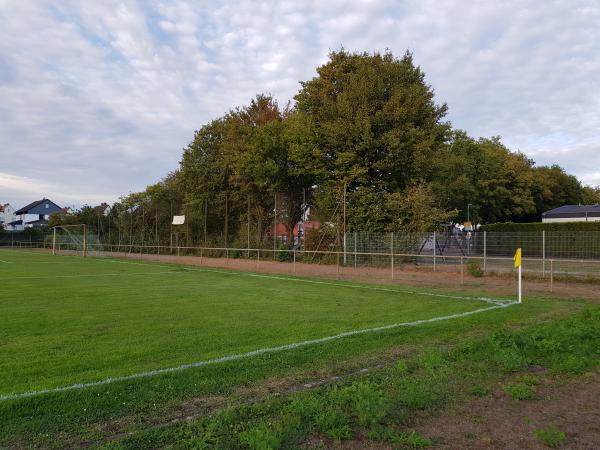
x: 365, y: 130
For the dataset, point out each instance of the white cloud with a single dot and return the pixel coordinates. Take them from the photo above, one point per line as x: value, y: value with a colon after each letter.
x: 98, y: 98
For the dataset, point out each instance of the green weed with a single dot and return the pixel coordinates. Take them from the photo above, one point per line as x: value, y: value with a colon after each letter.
x: 474, y: 269
x: 479, y: 391
x: 520, y: 391
x: 260, y: 437
x: 551, y: 436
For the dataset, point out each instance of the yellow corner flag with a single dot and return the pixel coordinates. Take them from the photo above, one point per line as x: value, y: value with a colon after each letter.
x: 518, y: 258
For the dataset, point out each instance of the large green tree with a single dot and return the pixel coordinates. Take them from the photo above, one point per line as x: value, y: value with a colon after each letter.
x: 372, y: 125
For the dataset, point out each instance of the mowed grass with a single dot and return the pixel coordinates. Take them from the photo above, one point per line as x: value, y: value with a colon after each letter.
x: 68, y: 320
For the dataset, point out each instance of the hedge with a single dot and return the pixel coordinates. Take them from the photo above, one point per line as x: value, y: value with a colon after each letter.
x: 510, y: 227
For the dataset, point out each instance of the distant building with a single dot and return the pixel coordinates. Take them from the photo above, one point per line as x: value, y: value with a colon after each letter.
x: 7, y: 215
x: 282, y: 232
x: 35, y: 215
x: 103, y: 209
x: 573, y: 213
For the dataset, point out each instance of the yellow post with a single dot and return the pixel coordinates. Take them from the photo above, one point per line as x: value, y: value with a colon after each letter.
x: 518, y: 264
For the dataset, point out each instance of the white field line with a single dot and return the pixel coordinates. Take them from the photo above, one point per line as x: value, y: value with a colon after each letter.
x: 250, y: 354
x: 5, y: 262
x: 327, y: 283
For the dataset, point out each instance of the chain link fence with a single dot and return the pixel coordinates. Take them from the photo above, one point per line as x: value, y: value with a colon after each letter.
x: 545, y: 254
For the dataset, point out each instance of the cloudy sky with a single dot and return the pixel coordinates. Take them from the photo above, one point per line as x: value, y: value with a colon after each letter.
x: 97, y: 98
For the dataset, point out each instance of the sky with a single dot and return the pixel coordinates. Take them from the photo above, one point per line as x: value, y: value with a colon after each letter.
x: 98, y: 98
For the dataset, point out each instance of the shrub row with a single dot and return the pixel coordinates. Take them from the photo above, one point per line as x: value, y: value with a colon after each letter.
x: 510, y: 227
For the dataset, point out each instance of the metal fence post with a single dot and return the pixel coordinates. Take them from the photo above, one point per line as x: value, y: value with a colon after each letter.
x: 544, y: 253
x: 434, y: 251
x: 355, y: 249
x: 392, y: 252
x: 551, y: 275
x: 462, y: 271
x: 484, y: 251
x: 294, y: 260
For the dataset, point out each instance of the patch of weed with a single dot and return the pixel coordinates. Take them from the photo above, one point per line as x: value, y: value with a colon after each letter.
x: 474, y: 269
x: 550, y: 436
x: 520, y: 391
x: 480, y: 391
x: 261, y: 437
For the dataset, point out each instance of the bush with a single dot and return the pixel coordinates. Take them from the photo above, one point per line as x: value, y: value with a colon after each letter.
x: 510, y: 227
x: 550, y: 436
x: 474, y: 269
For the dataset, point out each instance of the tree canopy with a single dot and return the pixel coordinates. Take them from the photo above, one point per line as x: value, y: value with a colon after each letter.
x: 368, y: 125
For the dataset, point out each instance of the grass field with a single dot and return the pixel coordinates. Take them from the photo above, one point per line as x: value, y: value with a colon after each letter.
x: 69, y: 321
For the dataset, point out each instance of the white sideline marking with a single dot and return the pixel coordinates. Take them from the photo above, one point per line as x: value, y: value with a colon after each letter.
x: 250, y: 354
x: 5, y: 262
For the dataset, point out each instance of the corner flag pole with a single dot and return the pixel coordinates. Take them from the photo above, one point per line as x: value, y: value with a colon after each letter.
x: 518, y: 264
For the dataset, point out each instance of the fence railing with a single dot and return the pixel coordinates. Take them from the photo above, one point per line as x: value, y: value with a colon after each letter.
x: 393, y: 262
x: 544, y: 253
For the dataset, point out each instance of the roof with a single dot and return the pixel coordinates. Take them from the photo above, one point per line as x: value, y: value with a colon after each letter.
x: 101, y: 209
x: 16, y: 222
x: 25, y: 209
x: 568, y: 211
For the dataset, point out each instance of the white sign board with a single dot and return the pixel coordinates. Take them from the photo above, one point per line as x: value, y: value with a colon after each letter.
x: 178, y: 220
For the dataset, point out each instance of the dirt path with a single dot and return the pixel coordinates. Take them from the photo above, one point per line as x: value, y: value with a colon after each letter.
x: 499, y: 422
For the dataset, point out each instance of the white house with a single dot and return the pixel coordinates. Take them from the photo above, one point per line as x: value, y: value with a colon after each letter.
x: 7, y: 215
x: 35, y: 215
